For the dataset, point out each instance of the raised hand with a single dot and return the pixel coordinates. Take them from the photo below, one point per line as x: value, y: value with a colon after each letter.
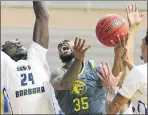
x: 133, y: 15
x: 120, y: 45
x: 79, y: 50
x: 108, y: 80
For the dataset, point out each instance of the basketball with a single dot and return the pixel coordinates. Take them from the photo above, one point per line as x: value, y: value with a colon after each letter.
x: 108, y: 27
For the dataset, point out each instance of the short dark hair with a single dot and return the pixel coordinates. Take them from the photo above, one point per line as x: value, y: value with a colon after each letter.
x: 4, y: 47
x: 146, y: 38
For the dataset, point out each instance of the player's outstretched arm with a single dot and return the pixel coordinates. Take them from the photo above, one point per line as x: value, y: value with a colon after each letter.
x: 118, y: 65
x: 126, y: 60
x: 41, y: 32
x: 65, y: 80
x: 135, y: 18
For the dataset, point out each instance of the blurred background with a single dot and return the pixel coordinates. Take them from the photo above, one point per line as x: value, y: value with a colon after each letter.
x: 67, y: 19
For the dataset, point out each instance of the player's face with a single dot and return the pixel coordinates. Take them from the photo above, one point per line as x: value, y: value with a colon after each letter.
x: 16, y: 48
x: 143, y: 48
x: 65, y: 49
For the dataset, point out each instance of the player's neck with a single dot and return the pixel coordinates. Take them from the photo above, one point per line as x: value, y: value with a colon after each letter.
x: 68, y: 64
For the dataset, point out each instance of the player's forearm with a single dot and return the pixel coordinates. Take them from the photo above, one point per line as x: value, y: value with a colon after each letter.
x: 110, y: 96
x: 131, y: 41
x: 129, y: 64
x: 41, y: 31
x: 40, y: 9
x: 109, y: 99
x: 125, y: 67
x: 116, y: 66
x: 130, y: 46
x: 72, y: 74
x: 117, y: 104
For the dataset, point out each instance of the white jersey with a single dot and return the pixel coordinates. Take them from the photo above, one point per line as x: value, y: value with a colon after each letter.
x: 24, y: 82
x: 135, y: 88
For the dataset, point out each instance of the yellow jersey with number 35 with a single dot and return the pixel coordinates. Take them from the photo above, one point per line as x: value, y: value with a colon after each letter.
x: 87, y: 95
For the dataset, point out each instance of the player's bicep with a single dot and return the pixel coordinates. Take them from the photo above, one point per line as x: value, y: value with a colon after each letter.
x: 56, y: 80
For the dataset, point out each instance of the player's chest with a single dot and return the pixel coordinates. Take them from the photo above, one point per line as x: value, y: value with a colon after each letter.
x: 84, y: 86
x: 29, y: 75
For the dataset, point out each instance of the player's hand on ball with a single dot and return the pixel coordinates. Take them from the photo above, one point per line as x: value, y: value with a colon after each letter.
x: 133, y: 15
x: 80, y: 49
x: 108, y: 80
x: 120, y: 45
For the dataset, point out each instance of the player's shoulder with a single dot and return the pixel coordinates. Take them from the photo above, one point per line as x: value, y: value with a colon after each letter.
x: 140, y: 68
x: 90, y: 62
x: 38, y: 46
x: 136, y: 74
x: 57, y: 72
x: 6, y: 59
x: 4, y: 56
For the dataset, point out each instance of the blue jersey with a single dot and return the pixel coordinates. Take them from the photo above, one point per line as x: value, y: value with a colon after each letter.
x: 87, y: 95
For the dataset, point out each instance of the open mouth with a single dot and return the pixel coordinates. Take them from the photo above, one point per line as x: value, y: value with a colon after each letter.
x: 64, y: 48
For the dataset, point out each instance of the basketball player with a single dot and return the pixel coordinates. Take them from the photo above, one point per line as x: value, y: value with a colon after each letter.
x: 24, y: 73
x: 134, y: 19
x: 82, y: 93
x: 85, y: 85
x: 132, y: 88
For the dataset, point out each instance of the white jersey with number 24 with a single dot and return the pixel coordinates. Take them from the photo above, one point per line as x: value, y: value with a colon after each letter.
x: 23, y: 82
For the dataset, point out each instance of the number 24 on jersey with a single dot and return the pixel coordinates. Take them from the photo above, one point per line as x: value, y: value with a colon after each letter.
x: 27, y: 78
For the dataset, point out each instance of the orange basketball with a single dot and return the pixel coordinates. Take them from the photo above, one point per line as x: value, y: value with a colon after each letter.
x: 108, y: 27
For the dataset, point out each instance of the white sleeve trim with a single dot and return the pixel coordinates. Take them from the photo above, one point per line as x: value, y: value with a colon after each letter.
x: 124, y: 93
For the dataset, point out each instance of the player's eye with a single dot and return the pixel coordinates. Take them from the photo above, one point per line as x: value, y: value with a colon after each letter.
x: 60, y: 45
x: 13, y: 45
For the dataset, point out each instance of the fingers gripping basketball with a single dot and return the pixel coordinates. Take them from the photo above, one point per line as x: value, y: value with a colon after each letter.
x: 108, y: 27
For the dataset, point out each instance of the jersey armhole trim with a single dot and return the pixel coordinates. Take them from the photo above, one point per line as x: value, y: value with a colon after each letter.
x: 4, y: 90
x: 82, y: 68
